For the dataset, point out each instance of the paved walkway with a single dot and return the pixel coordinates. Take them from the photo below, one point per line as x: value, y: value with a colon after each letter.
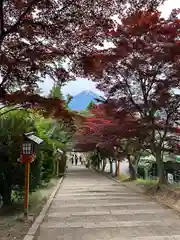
x: 90, y: 206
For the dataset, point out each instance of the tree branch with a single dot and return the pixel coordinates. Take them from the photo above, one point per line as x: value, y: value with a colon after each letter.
x: 14, y: 26
x: 1, y: 17
x: 13, y: 109
x: 29, y: 7
x: 26, y: 11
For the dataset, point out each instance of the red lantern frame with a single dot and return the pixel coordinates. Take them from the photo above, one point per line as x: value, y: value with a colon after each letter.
x: 27, y: 158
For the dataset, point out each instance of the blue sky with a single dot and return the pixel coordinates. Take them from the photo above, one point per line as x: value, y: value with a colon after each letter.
x: 73, y: 87
x: 79, y: 85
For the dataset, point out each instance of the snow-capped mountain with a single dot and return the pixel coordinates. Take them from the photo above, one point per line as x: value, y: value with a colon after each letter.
x: 82, y: 100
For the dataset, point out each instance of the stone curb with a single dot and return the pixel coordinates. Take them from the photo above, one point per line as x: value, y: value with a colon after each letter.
x: 35, y: 226
x: 138, y: 190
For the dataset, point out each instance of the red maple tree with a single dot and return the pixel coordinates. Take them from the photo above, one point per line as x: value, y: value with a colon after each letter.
x: 112, y: 131
x: 144, y: 67
x: 36, y: 36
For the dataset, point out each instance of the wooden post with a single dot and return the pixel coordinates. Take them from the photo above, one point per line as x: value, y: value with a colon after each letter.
x: 26, y: 189
x: 118, y: 169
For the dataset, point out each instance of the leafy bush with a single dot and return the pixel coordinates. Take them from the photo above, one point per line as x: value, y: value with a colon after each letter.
x: 12, y: 127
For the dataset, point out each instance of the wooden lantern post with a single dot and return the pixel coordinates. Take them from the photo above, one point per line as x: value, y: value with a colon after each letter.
x: 27, y: 156
x: 26, y: 189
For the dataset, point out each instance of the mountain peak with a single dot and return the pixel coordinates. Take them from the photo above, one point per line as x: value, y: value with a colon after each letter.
x: 87, y: 92
x: 82, y: 100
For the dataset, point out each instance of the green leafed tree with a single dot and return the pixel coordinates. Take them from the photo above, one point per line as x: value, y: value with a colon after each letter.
x: 91, y: 105
x: 55, y: 92
x: 12, y: 127
x: 69, y: 97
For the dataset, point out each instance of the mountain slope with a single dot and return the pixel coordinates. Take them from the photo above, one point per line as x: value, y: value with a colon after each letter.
x: 82, y: 100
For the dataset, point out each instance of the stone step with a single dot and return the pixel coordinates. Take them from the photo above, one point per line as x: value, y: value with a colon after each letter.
x: 97, y: 218
x: 90, y: 198
x: 173, y: 237
x: 100, y: 185
x: 89, y: 206
x: 98, y: 194
x: 97, y: 191
x: 94, y: 189
x: 60, y: 204
x: 97, y: 200
x: 131, y: 233
x: 112, y: 224
x: 91, y: 185
x: 160, y: 211
x: 115, y: 207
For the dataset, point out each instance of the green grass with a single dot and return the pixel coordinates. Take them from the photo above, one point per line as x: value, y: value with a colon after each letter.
x: 41, y: 194
x: 36, y: 199
x: 146, y: 182
x: 12, y: 224
x: 123, y: 177
x: 139, y: 181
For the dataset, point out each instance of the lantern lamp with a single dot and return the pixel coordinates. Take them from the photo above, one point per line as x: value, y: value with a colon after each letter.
x: 27, y: 148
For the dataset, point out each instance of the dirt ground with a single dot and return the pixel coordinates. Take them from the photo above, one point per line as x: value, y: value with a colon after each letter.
x: 12, y: 224
x: 167, y: 195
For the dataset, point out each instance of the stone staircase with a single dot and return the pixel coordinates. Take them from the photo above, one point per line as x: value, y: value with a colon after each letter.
x: 90, y: 206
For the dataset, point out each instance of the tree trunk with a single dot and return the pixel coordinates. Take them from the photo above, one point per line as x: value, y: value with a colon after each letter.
x: 7, y: 186
x: 132, y: 170
x: 62, y: 165
x: 116, y: 168
x: 104, y: 164
x: 6, y: 195
x: 57, y: 167
x: 99, y: 161
x: 110, y: 163
x: 161, y: 170
x: 136, y: 162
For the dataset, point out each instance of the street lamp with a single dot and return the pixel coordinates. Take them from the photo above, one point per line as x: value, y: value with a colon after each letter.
x: 27, y: 148
x: 27, y: 157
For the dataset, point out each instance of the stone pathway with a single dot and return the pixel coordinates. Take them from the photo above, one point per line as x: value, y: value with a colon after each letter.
x: 90, y: 206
